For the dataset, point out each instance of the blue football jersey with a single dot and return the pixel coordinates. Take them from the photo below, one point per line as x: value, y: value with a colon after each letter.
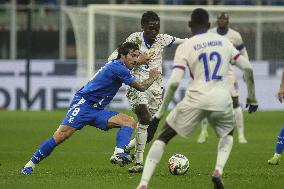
x: 104, y: 85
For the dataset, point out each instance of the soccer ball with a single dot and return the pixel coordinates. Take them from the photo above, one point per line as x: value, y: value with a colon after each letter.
x: 178, y: 164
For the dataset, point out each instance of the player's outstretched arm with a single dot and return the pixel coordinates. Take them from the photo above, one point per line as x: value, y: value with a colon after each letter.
x: 113, y: 55
x: 130, y: 38
x: 179, y: 40
x: 244, y: 65
x: 241, y: 47
x: 174, y: 81
x: 154, y: 74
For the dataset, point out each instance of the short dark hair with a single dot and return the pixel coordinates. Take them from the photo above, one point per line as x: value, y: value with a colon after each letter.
x: 149, y: 16
x: 199, y: 16
x: 125, y: 48
x: 223, y: 14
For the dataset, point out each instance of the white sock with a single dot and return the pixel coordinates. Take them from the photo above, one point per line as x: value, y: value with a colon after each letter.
x: 30, y: 164
x: 118, y: 150
x: 204, y: 125
x: 131, y: 144
x: 224, y: 150
x: 153, y: 158
x: 141, y: 139
x: 239, y: 121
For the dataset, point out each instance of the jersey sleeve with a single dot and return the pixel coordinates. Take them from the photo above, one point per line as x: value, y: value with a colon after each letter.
x: 179, y: 40
x: 125, y: 76
x: 113, y: 55
x: 134, y: 37
x: 239, y: 44
x: 166, y: 40
x: 234, y: 53
x: 180, y: 59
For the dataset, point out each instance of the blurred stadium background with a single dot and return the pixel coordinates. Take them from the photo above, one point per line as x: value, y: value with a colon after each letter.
x: 40, y: 49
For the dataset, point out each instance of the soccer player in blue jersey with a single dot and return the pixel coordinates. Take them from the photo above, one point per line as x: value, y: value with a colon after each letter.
x: 87, y: 106
x: 279, y: 147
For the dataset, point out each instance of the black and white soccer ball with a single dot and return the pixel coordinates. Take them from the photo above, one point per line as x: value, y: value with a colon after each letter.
x: 178, y: 164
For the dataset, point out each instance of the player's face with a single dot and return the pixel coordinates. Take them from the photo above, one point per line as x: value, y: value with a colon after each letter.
x: 131, y: 59
x: 151, y: 30
x: 222, y: 21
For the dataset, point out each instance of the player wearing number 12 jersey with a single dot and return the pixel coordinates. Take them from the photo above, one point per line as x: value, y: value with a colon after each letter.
x: 236, y: 39
x: 208, y: 57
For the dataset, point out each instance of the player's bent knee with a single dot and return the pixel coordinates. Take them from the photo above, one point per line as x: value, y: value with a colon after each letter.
x: 143, y: 114
x: 129, y: 121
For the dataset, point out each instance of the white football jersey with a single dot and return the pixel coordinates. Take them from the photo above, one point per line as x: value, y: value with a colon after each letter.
x: 208, y: 57
x: 161, y: 41
x: 233, y: 36
x: 236, y: 39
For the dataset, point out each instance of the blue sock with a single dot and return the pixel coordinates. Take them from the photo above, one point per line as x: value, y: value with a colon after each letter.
x: 123, y: 137
x: 44, y: 150
x: 280, y: 142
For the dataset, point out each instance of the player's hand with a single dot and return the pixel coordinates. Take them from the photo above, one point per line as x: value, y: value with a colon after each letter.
x: 154, y: 73
x: 146, y: 57
x: 281, y: 93
x: 252, y: 105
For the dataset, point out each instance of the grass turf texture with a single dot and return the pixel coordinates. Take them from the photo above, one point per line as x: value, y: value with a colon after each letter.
x: 83, y: 160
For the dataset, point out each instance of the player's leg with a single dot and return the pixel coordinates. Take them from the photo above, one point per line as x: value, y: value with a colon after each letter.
x: 144, y: 117
x: 222, y: 123
x: 155, y: 154
x: 126, y: 124
x: 154, y: 103
x: 224, y: 150
x: 131, y: 145
x: 68, y: 126
x: 239, y: 120
x: 45, y: 149
x: 152, y: 128
x: 149, y: 104
x: 278, y: 149
x: 204, y: 133
x: 182, y: 120
x: 135, y: 98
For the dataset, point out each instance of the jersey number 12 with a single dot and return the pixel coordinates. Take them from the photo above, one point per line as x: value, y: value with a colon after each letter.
x: 204, y: 58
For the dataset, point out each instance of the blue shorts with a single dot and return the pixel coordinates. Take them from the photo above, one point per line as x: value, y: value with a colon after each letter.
x: 81, y: 113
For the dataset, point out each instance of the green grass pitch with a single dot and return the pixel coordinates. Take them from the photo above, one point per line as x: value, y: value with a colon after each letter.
x: 83, y: 160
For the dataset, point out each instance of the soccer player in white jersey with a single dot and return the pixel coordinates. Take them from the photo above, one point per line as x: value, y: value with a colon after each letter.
x: 236, y: 39
x: 145, y: 104
x: 208, y: 56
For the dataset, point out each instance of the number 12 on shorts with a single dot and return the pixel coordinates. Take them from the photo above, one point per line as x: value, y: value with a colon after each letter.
x: 213, y: 56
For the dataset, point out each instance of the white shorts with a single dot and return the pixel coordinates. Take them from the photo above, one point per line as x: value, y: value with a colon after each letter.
x: 184, y: 119
x: 152, y: 98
